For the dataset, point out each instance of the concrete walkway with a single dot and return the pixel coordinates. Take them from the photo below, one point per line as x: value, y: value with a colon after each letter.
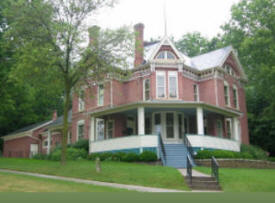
x: 194, y: 173
x: 91, y: 182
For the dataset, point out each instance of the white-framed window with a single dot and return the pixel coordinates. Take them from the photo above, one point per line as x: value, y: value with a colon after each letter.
x: 80, y: 129
x: 173, y: 84
x: 100, y: 129
x: 235, y: 97
x: 131, y: 125
x: 196, y: 92
x: 161, y: 81
x: 226, y: 94
x: 69, y: 139
x: 229, y: 128
x: 146, y: 89
x: 229, y: 70
x: 81, y: 100
x: 100, y: 95
x: 110, y: 129
x: 166, y: 55
x: 219, y: 128
x: 45, y: 143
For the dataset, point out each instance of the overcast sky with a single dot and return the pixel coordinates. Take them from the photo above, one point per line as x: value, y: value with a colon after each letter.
x: 183, y: 16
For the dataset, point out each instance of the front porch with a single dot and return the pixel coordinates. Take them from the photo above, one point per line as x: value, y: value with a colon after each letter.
x: 135, y: 129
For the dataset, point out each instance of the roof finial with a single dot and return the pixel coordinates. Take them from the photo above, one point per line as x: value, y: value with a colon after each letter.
x: 165, y: 18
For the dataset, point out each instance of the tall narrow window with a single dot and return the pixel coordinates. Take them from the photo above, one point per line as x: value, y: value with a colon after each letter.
x: 180, y: 124
x: 170, y: 125
x: 173, y: 84
x: 226, y: 95
x: 80, y: 131
x: 148, y: 125
x: 196, y: 92
x: 110, y: 129
x: 81, y: 101
x: 229, y: 128
x: 100, y: 95
x: 235, y: 97
x: 161, y: 84
x: 99, y: 129
x: 146, y: 89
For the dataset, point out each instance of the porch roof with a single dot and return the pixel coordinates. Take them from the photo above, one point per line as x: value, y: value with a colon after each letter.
x: 164, y: 104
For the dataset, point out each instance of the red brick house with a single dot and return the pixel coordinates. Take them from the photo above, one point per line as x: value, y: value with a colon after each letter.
x: 168, y: 94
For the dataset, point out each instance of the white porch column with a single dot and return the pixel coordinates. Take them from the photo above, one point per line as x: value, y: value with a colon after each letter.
x: 236, y: 129
x: 49, y: 142
x: 200, y: 126
x: 141, y: 118
x: 92, y: 132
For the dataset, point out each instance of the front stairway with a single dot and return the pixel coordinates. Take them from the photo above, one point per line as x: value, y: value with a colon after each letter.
x: 175, y: 155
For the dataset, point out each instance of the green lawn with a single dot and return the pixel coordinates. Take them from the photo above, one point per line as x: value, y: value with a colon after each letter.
x: 116, y: 172
x: 20, y: 183
x: 244, y: 179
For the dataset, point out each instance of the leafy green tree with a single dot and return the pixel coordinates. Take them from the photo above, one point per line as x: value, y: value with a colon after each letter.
x: 251, y: 30
x: 50, y: 36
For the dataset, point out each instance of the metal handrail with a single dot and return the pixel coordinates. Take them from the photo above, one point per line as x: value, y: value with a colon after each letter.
x: 162, y: 148
x: 188, y: 145
x: 189, y: 169
x: 215, y: 168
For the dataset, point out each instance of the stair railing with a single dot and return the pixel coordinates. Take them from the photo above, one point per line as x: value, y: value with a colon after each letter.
x: 215, y: 168
x: 162, y: 148
x: 188, y: 145
x: 189, y: 169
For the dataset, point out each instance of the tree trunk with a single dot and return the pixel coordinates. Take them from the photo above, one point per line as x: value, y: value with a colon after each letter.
x: 65, y: 122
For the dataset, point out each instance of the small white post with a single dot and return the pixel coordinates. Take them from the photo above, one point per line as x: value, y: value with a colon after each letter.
x: 200, y: 125
x: 92, y: 133
x: 236, y: 129
x: 49, y: 142
x: 141, y: 126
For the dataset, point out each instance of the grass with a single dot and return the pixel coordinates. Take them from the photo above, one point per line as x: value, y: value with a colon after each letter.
x: 20, y: 183
x: 115, y: 172
x: 244, y: 179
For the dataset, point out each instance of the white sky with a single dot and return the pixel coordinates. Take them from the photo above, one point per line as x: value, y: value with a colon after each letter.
x: 205, y: 16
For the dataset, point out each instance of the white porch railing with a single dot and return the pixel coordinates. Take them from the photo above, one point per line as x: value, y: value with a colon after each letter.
x: 125, y: 143
x: 210, y: 142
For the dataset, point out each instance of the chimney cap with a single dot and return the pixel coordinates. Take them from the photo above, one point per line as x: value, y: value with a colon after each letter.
x: 139, y: 25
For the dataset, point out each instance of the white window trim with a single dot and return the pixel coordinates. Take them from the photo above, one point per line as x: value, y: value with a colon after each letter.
x: 173, y: 73
x: 228, y: 94
x: 81, y: 122
x: 98, y: 87
x: 237, y: 97
x: 164, y: 74
x: 231, y: 127
x: 166, y: 55
x: 81, y: 102
x: 144, y: 89
x: 107, y: 129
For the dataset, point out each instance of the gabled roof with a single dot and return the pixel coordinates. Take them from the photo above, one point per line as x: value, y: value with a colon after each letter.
x: 211, y: 59
x: 59, y: 121
x: 30, y: 127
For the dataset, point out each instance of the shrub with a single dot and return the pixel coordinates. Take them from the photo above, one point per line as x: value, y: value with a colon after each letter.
x: 72, y: 154
x: 255, y: 151
x: 207, y: 154
x: 130, y: 157
x: 271, y: 159
x: 147, y: 156
x: 81, y: 144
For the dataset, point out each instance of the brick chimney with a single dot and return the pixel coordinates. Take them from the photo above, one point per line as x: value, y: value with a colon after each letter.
x: 54, y: 115
x: 93, y: 34
x: 139, y: 44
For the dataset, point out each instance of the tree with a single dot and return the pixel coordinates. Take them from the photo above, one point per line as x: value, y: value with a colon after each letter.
x: 251, y: 30
x: 193, y: 44
x: 50, y: 36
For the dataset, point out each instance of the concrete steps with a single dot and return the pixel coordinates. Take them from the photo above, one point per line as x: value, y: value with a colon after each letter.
x: 203, y: 183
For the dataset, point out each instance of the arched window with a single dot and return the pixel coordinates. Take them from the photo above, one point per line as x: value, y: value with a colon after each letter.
x: 166, y: 55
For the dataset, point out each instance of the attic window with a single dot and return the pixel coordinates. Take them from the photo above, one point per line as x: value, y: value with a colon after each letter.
x: 166, y: 55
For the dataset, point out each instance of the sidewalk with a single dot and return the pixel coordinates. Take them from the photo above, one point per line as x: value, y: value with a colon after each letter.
x: 194, y: 173
x: 91, y: 182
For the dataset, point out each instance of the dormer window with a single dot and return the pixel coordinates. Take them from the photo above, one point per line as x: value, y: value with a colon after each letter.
x: 166, y: 55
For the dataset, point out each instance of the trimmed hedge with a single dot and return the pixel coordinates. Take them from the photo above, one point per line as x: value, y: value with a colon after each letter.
x: 81, y: 144
x: 207, y: 154
x: 254, y: 151
x: 146, y: 156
